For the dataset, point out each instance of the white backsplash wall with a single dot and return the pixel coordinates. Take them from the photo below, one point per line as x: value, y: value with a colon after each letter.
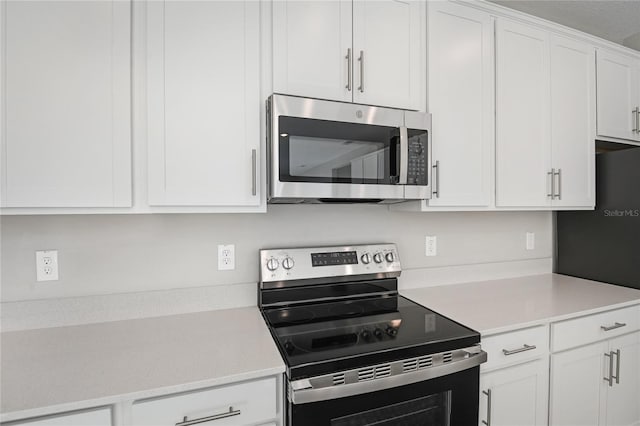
x: 110, y: 254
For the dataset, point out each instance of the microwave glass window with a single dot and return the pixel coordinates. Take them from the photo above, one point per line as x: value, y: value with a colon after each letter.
x: 336, y: 152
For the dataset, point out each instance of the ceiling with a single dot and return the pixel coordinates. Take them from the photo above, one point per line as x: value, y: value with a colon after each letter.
x: 614, y: 20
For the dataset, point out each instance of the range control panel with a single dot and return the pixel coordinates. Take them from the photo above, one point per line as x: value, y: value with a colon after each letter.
x: 327, y: 262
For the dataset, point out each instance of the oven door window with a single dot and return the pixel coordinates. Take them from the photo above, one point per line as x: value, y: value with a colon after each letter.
x: 322, y: 151
x: 428, y: 410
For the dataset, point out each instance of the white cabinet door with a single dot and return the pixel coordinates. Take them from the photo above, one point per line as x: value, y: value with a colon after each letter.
x: 617, y: 95
x: 66, y: 104
x: 248, y: 403
x: 573, y: 121
x: 515, y: 396
x: 101, y: 417
x: 312, y: 48
x: 623, y: 397
x: 523, y: 151
x: 460, y: 97
x: 389, y: 50
x: 576, y: 386
x: 203, y: 100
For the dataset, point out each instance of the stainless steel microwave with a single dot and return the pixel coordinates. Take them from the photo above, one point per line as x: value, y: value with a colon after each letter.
x: 324, y: 151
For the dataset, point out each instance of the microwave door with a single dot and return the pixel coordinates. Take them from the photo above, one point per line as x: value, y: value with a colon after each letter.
x: 319, y: 159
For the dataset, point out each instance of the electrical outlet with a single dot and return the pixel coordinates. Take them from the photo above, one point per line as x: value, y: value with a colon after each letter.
x: 431, y: 245
x: 226, y: 257
x: 47, y: 265
x: 531, y: 241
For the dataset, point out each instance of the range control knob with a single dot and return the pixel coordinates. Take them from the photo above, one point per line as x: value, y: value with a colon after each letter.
x: 272, y: 264
x: 366, y: 258
x: 378, y: 333
x: 390, y: 257
x: 365, y: 334
x: 288, y: 263
x: 391, y: 331
x: 377, y: 257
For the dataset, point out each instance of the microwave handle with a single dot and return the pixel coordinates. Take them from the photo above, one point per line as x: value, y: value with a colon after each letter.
x: 404, y: 156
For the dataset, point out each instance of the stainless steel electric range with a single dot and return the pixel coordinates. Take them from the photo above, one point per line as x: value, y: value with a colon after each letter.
x: 357, y: 352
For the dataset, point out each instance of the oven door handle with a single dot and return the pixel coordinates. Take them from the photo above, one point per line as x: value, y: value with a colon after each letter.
x: 404, y: 156
x: 304, y: 395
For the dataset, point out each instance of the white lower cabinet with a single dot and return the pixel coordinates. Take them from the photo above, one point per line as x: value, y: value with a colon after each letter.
x: 515, y: 395
x: 250, y: 403
x: 597, y: 381
x: 100, y: 417
x: 514, y: 383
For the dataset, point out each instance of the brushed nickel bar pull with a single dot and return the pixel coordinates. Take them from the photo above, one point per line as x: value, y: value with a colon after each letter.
x: 552, y: 192
x: 610, y: 378
x: 488, y: 421
x: 517, y: 351
x: 349, y: 70
x: 254, y: 174
x: 436, y: 190
x: 230, y: 413
x: 559, y: 187
x: 617, y: 376
x: 361, y: 60
x: 636, y: 120
x: 613, y: 327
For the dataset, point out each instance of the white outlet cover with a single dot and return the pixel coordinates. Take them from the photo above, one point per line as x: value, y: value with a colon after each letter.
x: 531, y: 241
x: 431, y: 245
x: 47, y: 265
x: 226, y: 257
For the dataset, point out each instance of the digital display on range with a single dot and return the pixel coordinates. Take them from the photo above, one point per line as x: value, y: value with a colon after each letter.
x: 334, y: 258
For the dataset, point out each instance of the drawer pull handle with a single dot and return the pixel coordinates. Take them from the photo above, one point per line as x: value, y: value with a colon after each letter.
x: 230, y: 413
x: 613, y: 327
x: 517, y: 351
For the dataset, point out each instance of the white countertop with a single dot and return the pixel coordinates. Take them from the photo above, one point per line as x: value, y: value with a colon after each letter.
x: 502, y: 305
x: 68, y: 368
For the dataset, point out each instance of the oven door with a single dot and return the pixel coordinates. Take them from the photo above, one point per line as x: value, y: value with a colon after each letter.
x: 331, y: 150
x: 450, y: 400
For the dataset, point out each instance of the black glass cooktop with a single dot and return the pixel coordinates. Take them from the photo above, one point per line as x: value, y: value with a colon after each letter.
x: 325, y: 337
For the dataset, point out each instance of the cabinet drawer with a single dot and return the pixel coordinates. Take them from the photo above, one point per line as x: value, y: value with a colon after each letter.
x: 516, y: 346
x: 233, y: 405
x: 584, y: 330
x: 100, y: 417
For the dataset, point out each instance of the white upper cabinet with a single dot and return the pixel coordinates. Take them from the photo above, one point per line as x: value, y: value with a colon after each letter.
x: 66, y: 104
x: 545, y: 115
x: 618, y: 96
x: 572, y: 122
x: 522, y: 116
x: 203, y: 101
x: 313, y: 49
x: 460, y: 97
x: 388, y: 49
x: 369, y: 52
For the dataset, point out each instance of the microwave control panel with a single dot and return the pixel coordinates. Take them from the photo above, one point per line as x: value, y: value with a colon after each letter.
x: 418, y: 152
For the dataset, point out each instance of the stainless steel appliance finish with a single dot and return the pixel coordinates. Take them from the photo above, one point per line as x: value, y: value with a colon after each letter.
x: 356, y: 351
x: 294, y: 266
x: 384, y: 376
x: 344, y: 159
